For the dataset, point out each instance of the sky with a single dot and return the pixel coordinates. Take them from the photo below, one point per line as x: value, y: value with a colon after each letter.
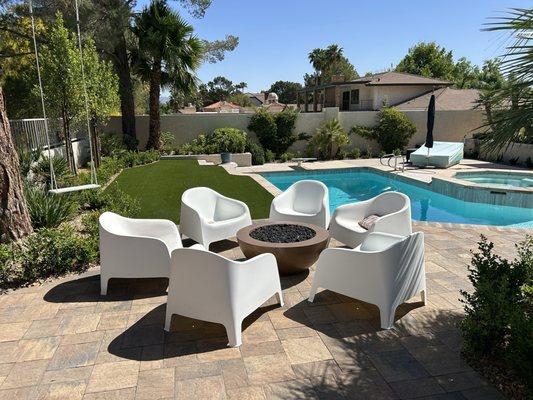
x: 275, y: 36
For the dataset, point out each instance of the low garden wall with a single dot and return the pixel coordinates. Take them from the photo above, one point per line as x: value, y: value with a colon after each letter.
x: 449, y: 125
x: 241, y: 159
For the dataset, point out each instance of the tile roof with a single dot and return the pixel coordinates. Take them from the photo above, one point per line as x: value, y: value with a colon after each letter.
x: 445, y: 99
x: 398, y: 78
x: 221, y: 104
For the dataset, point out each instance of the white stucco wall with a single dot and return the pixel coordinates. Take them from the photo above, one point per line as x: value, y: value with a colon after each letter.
x: 449, y: 125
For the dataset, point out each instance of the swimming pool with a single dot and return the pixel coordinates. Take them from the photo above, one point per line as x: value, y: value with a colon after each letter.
x: 498, y: 179
x: 352, y: 185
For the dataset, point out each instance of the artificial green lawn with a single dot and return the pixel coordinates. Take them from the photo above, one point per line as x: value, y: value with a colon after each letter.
x: 158, y: 187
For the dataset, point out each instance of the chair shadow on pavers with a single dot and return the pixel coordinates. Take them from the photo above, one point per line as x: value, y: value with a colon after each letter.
x: 375, y: 361
x: 121, y: 292
x: 187, y: 340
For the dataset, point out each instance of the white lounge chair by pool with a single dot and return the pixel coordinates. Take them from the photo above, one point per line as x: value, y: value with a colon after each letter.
x: 390, y: 213
x: 385, y: 270
x: 304, y: 201
x: 135, y: 248
x: 209, y: 287
x: 208, y: 216
x: 442, y: 155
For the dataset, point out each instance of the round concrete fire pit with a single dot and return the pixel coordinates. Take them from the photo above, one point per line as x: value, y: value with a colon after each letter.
x: 296, y: 246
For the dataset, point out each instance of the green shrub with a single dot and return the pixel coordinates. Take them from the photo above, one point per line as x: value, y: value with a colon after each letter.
x: 392, y: 131
x: 497, y: 322
x: 275, y: 132
x: 135, y: 158
x: 328, y: 140
x: 26, y: 160
x: 48, y: 210
x: 60, y: 165
x: 53, y: 252
x: 227, y: 140
x: 111, y: 144
x: 258, y: 154
x: 167, y: 140
x: 270, y: 156
x: 287, y: 156
x: 355, y: 153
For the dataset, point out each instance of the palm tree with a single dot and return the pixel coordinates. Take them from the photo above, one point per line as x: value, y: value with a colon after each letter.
x: 513, y: 118
x: 323, y: 60
x: 317, y: 59
x: 168, y: 55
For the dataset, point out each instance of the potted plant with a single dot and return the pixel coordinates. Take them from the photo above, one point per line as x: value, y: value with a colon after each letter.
x: 229, y: 140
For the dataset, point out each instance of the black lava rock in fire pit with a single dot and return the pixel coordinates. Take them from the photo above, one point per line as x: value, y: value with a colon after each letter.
x: 282, y: 233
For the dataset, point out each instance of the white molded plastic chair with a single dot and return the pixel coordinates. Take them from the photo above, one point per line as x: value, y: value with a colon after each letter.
x: 207, y: 216
x: 394, y: 209
x: 385, y: 270
x: 209, y: 287
x: 304, y: 201
x: 135, y: 248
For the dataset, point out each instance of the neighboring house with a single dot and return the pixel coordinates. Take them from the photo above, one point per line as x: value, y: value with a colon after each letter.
x: 369, y: 92
x: 257, y: 99
x: 222, y: 107
x: 445, y: 99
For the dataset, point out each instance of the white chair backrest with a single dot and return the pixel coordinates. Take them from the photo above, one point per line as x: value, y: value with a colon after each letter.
x: 388, y: 203
x: 201, y: 199
x: 115, y: 224
x: 308, y: 196
x: 198, y: 274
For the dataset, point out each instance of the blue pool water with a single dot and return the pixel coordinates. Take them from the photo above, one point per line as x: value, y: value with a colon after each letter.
x: 348, y: 186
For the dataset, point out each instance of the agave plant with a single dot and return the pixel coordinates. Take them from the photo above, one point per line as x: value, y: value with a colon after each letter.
x: 60, y: 165
x: 512, y: 120
x: 46, y: 210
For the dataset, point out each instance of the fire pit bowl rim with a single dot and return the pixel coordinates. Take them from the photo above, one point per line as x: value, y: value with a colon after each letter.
x: 244, y: 235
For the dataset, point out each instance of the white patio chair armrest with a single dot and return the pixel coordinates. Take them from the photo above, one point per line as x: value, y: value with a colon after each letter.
x: 197, y: 246
x: 378, y: 242
x: 352, y: 210
x: 233, y: 208
x: 398, y: 223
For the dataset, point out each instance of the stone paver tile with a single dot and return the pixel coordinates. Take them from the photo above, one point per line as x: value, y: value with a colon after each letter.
x: 316, y: 369
x: 152, y: 357
x: 295, y: 333
x: 122, y: 394
x: 67, y: 375
x: 155, y: 384
x: 234, y: 373
x: 179, y: 354
x: 40, y: 311
x: 349, y: 311
x: 246, y: 393
x: 37, y: 349
x: 13, y: 331
x: 305, y: 350
x: 482, y: 393
x: 294, y: 389
x: 106, y: 377
x: 460, y: 381
x: 398, y: 366
x: 271, y: 368
x: 438, y: 360
x: 281, y: 318
x: 143, y: 335
x: 87, y: 337
x: 62, y: 390
x: 74, y: 355
x: 25, y: 374
x: 78, y: 324
x: 259, y: 331
x: 8, y: 352
x: 113, y: 306
x: 193, y: 371
x: 116, y: 354
x: 113, y: 321
x: 410, y: 389
x: 42, y: 328
x: 319, y: 315
x: 23, y: 393
x: 216, y: 350
x: 207, y: 388
x: 261, y: 349
x: 365, y: 385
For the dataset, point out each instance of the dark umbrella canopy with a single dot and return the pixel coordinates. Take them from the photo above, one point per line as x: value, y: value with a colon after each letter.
x: 431, y: 122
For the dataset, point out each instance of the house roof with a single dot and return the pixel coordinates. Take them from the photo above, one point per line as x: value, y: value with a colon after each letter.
x: 390, y: 78
x: 398, y: 78
x: 445, y: 99
x: 221, y: 104
x: 261, y: 97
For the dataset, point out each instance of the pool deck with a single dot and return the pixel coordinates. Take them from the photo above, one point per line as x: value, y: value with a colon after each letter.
x: 62, y: 340
x: 520, y: 197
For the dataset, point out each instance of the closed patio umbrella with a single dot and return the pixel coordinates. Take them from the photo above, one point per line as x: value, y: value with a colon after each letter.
x: 431, y: 122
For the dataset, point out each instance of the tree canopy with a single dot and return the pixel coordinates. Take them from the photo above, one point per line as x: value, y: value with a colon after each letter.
x: 428, y: 59
x: 285, y: 90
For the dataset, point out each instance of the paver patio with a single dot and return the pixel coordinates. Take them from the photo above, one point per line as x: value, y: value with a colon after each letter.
x: 62, y: 340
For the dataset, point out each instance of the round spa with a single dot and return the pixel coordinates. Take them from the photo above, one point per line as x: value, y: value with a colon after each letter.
x: 296, y: 246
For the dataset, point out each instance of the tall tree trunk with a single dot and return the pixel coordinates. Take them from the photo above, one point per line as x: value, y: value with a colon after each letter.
x: 15, y: 220
x: 127, y: 102
x: 69, y: 153
x: 154, y: 139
